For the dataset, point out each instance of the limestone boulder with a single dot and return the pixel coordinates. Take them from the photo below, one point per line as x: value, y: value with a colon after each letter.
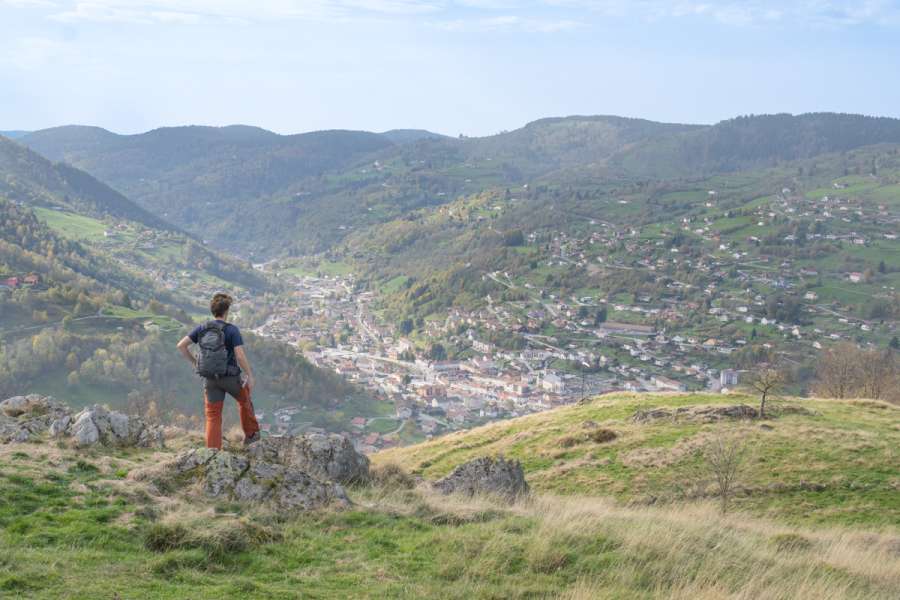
x: 246, y: 478
x: 493, y: 476
x: 26, y: 418
x: 325, y: 456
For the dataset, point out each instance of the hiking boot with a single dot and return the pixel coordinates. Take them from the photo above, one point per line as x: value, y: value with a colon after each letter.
x: 251, y: 439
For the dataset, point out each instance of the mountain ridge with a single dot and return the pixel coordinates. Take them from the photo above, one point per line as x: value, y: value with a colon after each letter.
x: 266, y: 194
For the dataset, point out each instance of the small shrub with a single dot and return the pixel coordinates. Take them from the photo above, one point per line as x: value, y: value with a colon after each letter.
x: 547, y: 557
x: 455, y: 520
x: 83, y: 468
x: 257, y: 535
x: 569, y: 441
x: 228, y: 508
x: 225, y: 542
x: 392, y: 477
x: 791, y: 542
x: 161, y: 537
x: 244, y: 586
x: 177, y: 561
x: 16, y: 583
x: 602, y: 436
x: 147, y: 512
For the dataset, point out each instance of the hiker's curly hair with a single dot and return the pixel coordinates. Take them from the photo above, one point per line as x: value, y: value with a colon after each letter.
x: 220, y: 304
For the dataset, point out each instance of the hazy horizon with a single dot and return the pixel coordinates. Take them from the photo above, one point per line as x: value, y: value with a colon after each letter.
x: 474, y: 67
x: 370, y: 130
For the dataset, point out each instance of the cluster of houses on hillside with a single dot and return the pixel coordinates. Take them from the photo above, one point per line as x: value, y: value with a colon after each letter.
x: 17, y: 281
x: 512, y: 357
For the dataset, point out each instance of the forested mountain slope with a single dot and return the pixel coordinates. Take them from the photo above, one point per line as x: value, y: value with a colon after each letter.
x: 26, y: 176
x: 79, y: 207
x: 93, y: 299
x: 266, y: 194
x: 754, y: 141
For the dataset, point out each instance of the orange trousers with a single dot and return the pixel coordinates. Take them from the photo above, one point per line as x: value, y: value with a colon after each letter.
x: 214, y: 418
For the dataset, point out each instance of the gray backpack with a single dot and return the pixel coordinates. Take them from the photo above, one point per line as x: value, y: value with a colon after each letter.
x: 212, y: 361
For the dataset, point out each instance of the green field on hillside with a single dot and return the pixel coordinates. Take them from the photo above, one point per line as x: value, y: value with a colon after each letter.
x: 72, y: 225
x: 814, y: 461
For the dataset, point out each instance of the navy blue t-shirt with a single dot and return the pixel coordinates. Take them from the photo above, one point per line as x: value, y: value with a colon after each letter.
x: 233, y: 339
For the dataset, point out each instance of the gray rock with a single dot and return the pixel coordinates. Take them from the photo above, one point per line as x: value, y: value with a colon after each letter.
x: 115, y: 429
x: 40, y: 415
x: 223, y: 472
x: 23, y: 418
x: 84, y: 431
x: 58, y: 426
x: 15, y: 406
x: 325, y: 456
x: 299, y: 491
x: 703, y: 414
x: 119, y: 426
x: 190, y: 460
x: 264, y: 475
x: 259, y: 482
x: 486, y: 475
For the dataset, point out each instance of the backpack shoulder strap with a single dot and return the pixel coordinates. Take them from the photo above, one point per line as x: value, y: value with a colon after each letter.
x: 215, y: 325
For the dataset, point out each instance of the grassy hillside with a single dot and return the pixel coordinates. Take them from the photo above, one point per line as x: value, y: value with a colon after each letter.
x: 75, y: 525
x: 817, y: 461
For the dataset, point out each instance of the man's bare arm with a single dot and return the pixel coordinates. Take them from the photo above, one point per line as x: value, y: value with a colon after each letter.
x: 245, y: 366
x: 183, y: 346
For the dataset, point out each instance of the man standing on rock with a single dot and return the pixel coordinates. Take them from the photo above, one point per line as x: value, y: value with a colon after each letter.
x: 222, y: 363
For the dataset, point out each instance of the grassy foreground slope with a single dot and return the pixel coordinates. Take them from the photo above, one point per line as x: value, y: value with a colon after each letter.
x: 73, y: 525
x: 815, y: 461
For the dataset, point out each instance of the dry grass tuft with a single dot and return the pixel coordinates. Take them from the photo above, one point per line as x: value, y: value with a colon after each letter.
x: 391, y: 476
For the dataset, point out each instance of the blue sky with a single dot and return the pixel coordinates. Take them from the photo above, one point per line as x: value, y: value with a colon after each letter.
x: 453, y: 66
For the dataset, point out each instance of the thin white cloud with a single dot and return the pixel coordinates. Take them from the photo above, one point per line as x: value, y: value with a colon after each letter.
x: 508, y: 23
x: 28, y: 3
x: 746, y: 12
x: 193, y: 11
x: 474, y: 15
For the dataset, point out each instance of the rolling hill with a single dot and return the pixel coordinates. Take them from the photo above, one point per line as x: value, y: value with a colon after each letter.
x: 206, y: 180
x: 815, y: 462
x: 27, y: 177
x: 260, y: 192
x: 754, y: 141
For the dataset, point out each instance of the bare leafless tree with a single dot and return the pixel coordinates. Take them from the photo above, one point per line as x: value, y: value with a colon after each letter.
x: 877, y: 373
x: 847, y: 371
x: 724, y: 456
x: 837, y: 371
x: 767, y: 380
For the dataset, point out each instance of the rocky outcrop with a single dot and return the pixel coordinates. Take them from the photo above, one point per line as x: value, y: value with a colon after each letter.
x: 97, y: 425
x: 487, y: 475
x: 325, y: 456
x: 702, y: 414
x: 273, y: 472
x: 27, y: 418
